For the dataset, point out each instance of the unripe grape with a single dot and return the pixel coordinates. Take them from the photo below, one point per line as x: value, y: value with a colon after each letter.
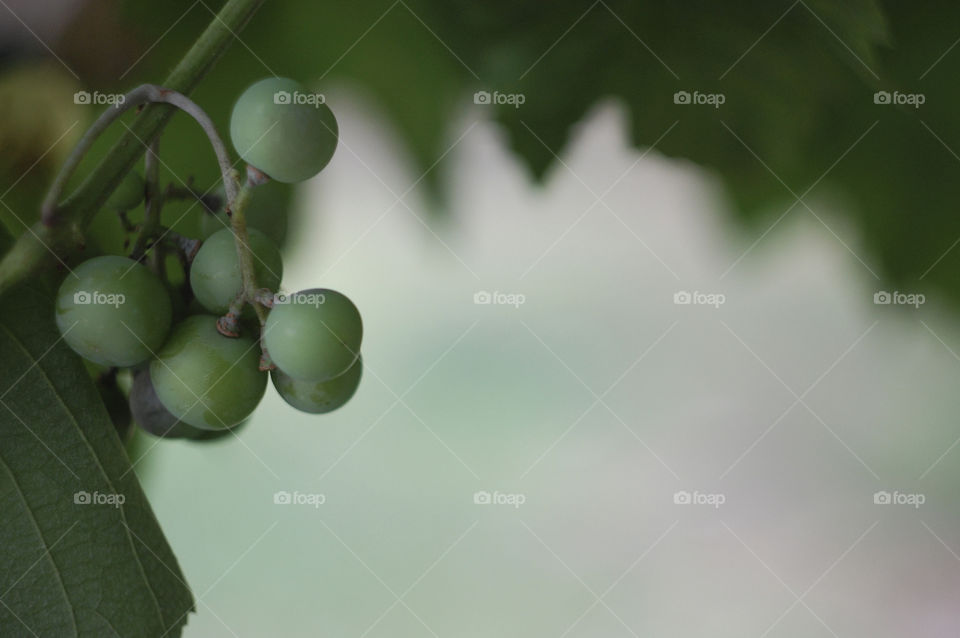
x: 283, y: 130
x: 215, y: 272
x: 113, y: 311
x: 313, y: 335
x: 128, y: 194
x: 205, y: 379
x: 322, y: 397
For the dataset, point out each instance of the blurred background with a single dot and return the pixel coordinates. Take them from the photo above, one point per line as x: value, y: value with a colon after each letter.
x: 659, y: 303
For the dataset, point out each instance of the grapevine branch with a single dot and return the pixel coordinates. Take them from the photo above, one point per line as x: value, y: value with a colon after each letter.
x: 143, y: 94
x: 37, y: 247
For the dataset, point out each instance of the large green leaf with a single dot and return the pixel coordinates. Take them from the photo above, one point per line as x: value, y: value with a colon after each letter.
x: 70, y: 568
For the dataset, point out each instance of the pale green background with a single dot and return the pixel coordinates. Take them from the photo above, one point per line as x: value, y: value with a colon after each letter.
x: 506, y: 399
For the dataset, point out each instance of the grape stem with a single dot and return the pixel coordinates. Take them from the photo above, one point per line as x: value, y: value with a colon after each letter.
x: 229, y: 324
x: 188, y: 106
x: 211, y: 202
x: 260, y: 298
x: 143, y: 94
x: 185, y: 247
x: 153, y: 200
x: 237, y: 201
x: 236, y: 209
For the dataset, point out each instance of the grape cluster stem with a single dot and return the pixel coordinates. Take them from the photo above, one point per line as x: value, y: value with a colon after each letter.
x: 143, y: 94
x: 238, y: 196
x: 153, y: 202
x: 260, y: 298
x: 58, y: 232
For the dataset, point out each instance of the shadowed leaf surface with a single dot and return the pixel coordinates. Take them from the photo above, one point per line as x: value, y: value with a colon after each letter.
x: 69, y: 568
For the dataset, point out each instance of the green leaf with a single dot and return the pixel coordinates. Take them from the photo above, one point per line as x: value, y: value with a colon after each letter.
x: 69, y: 568
x: 779, y: 65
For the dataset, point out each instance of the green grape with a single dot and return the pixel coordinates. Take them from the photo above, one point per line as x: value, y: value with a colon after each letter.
x: 152, y: 417
x: 128, y: 194
x: 322, y: 397
x: 215, y: 271
x: 283, y: 130
x: 313, y: 335
x: 205, y: 379
x: 113, y: 311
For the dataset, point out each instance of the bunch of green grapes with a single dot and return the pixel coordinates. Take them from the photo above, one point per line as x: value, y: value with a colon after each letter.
x: 201, y: 375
